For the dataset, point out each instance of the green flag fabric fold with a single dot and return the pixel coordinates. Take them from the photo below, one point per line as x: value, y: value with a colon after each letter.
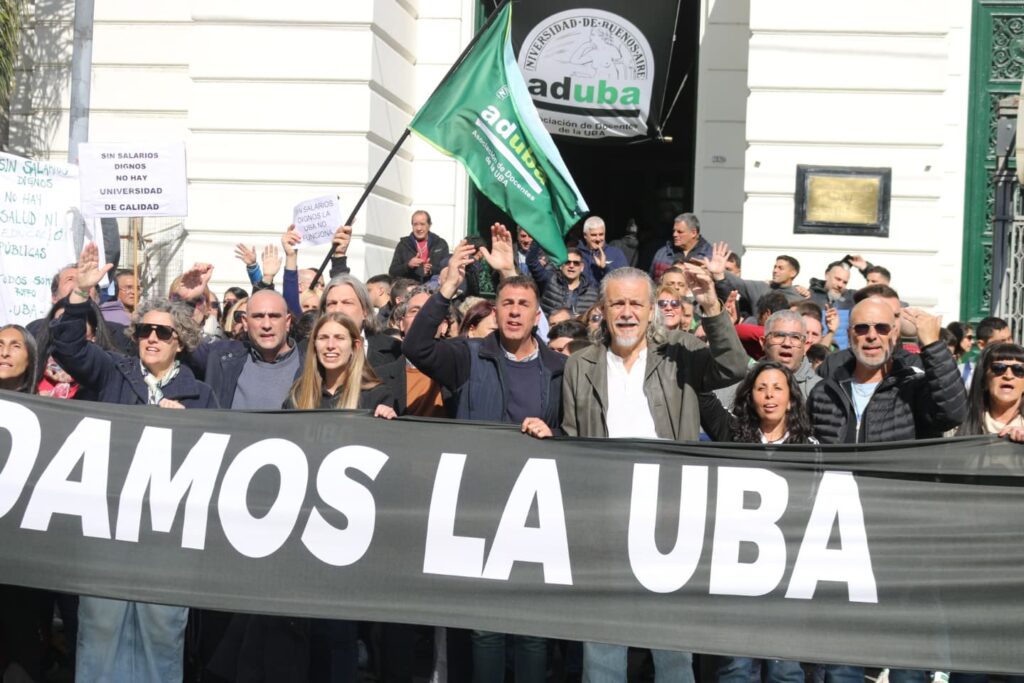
x: 483, y: 116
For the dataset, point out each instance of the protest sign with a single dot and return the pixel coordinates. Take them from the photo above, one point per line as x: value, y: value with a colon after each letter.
x: 900, y: 554
x: 133, y: 179
x: 317, y: 219
x: 37, y: 214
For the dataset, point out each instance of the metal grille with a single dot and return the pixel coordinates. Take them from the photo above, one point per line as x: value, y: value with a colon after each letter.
x: 1011, y: 305
x: 158, y: 252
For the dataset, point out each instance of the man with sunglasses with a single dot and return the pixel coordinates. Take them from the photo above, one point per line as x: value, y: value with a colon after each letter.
x: 568, y: 287
x: 877, y: 396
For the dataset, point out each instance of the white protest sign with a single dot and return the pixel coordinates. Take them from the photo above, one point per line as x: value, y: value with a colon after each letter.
x: 39, y: 200
x: 317, y: 219
x: 133, y: 179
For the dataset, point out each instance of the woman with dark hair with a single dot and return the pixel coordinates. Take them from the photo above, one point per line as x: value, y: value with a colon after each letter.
x: 121, y: 640
x: 994, y: 399
x: 769, y: 407
x: 22, y: 610
x: 479, y: 320
x: 232, y: 295
x: 51, y: 379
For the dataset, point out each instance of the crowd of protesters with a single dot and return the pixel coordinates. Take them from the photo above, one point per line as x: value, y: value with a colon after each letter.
x: 689, y: 349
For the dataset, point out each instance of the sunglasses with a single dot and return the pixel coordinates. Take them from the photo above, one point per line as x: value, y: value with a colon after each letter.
x: 238, y: 316
x: 163, y: 332
x: 596, y: 318
x: 999, y: 369
x: 669, y: 303
x: 570, y: 262
x: 860, y: 329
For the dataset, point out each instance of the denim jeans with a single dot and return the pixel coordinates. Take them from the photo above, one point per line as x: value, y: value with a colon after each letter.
x: 908, y: 676
x: 531, y: 658
x: 839, y: 673
x: 744, y: 670
x: 129, y: 641
x: 607, y: 664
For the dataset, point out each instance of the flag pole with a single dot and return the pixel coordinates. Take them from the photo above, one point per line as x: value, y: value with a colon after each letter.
x: 405, y: 134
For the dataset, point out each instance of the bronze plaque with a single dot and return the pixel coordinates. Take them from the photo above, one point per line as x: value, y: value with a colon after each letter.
x: 837, y: 199
x: 845, y: 200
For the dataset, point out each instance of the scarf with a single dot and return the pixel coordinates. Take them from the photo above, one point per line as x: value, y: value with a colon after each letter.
x: 156, y: 386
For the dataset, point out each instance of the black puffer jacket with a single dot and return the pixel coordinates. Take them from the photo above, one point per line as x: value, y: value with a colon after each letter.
x: 909, y: 403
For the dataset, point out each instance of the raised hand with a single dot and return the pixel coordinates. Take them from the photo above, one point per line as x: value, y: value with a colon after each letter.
x: 290, y: 241
x: 600, y: 258
x: 194, y: 280
x: 832, y: 319
x: 702, y: 286
x: 271, y: 262
x: 342, y: 238
x: 858, y: 262
x: 927, y: 325
x: 90, y: 272
x: 246, y: 255
x: 720, y: 253
x: 501, y: 256
x: 455, y: 273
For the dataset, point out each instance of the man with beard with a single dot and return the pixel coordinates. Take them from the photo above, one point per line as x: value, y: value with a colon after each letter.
x: 832, y: 290
x: 875, y: 396
x: 641, y: 381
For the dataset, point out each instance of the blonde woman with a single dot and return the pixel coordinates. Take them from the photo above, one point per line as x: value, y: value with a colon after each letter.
x: 336, y: 374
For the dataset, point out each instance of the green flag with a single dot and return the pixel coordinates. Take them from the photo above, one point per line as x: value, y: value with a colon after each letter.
x: 483, y: 116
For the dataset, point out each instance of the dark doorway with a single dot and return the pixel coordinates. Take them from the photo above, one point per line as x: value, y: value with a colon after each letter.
x: 645, y: 180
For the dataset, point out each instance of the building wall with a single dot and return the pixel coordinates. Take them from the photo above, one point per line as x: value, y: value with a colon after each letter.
x: 276, y: 102
x: 878, y: 84
x: 721, y: 141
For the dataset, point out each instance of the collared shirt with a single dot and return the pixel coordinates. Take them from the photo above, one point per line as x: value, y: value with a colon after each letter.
x: 629, y: 413
x: 512, y: 357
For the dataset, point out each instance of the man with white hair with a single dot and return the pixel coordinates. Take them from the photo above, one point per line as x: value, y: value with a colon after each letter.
x: 640, y: 381
x: 600, y: 258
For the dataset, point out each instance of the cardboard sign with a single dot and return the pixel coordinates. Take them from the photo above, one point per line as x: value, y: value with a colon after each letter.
x: 317, y: 219
x: 37, y: 213
x: 133, y: 179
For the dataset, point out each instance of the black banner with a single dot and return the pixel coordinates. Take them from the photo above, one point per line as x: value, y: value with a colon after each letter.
x: 906, y: 555
x: 595, y: 68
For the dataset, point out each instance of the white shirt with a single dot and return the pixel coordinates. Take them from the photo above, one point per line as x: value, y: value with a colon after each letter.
x: 629, y: 413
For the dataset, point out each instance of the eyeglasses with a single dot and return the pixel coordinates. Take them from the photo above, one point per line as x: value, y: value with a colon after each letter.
x: 669, y: 303
x: 779, y: 337
x: 163, y: 332
x: 999, y: 369
x: 238, y: 316
x: 860, y: 329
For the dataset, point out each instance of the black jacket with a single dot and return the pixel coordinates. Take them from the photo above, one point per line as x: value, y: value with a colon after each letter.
x: 910, y: 403
x: 437, y: 250
x: 554, y: 286
x: 113, y: 377
x: 369, y: 399
x: 838, y: 359
x: 472, y: 369
x: 219, y: 364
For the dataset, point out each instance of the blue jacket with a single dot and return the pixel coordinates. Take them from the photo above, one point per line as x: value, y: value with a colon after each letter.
x: 669, y: 253
x: 116, y: 378
x: 614, y: 258
x: 473, y: 371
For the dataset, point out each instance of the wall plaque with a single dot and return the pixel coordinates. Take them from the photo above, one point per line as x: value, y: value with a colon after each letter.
x: 842, y: 200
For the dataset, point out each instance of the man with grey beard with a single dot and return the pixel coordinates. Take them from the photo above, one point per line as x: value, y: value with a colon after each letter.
x: 641, y: 381
x: 878, y: 396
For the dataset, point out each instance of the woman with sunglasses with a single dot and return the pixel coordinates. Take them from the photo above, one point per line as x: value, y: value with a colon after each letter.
x: 994, y: 399
x: 671, y: 307
x: 119, y: 640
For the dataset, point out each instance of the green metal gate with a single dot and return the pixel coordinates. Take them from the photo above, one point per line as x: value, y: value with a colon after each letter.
x: 997, y: 66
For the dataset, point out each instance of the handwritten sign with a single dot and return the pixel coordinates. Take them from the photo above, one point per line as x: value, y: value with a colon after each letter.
x: 37, y: 212
x: 133, y: 179
x: 317, y: 219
